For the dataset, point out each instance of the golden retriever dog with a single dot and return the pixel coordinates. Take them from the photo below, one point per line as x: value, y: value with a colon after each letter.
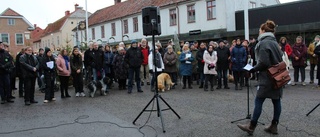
x: 164, y: 78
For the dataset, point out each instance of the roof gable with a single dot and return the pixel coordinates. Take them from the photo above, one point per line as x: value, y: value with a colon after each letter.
x: 125, y: 8
x: 10, y: 12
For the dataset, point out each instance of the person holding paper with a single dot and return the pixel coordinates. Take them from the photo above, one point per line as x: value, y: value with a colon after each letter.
x: 48, y: 67
x: 186, y: 67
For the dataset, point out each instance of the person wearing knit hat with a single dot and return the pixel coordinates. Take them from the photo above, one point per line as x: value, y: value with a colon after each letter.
x: 49, y: 73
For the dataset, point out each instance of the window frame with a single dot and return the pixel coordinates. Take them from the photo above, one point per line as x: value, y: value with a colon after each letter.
x: 12, y: 23
x: 113, y: 29
x: 125, y: 26
x: 103, y: 34
x: 194, y: 13
x: 213, y: 9
x: 252, y: 4
x: 135, y: 24
x: 173, y: 17
x: 8, y: 38
x: 93, y: 31
x: 16, y: 38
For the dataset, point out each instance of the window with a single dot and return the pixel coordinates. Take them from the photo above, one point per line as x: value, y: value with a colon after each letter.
x: 93, y: 34
x: 173, y: 17
x: 58, y: 41
x: 125, y: 26
x: 252, y: 5
x: 102, y: 32
x: 11, y: 21
x: 5, y: 38
x: 263, y: 5
x: 27, y: 36
x: 191, y: 14
x: 19, y: 39
x: 211, y: 9
x: 113, y: 28
x: 135, y: 24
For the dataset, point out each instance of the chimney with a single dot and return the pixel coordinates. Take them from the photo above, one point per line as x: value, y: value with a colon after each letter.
x: 35, y: 26
x: 67, y: 12
x: 76, y: 6
x: 117, y: 2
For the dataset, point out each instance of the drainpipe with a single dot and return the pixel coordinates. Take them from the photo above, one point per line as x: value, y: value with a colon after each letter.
x: 178, y: 15
x: 121, y: 28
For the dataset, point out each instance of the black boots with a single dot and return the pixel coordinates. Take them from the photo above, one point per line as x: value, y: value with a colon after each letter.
x: 67, y: 94
x: 250, y: 127
x: 201, y: 86
x: 273, y: 128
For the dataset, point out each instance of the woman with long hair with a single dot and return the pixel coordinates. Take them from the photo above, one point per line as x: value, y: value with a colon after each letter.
x: 64, y: 70
x: 77, y: 72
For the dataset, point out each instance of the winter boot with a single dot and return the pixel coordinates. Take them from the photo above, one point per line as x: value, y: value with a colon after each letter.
x: 67, y: 94
x: 248, y: 127
x: 205, y: 88
x: 273, y: 128
x: 62, y: 94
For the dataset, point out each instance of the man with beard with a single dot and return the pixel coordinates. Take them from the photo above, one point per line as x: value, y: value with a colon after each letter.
x: 134, y: 58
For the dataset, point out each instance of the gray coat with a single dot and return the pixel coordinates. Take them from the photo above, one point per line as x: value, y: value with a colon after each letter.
x: 170, y: 60
x: 267, y: 53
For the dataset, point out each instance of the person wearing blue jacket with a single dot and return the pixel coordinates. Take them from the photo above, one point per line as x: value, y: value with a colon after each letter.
x: 238, y: 58
x: 185, y: 69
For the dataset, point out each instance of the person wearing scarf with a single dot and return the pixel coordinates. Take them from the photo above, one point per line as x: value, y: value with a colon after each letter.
x: 185, y: 69
x: 64, y: 72
x: 210, y: 61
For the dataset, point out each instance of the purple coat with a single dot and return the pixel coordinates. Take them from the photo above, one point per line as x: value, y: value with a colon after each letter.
x: 299, y: 51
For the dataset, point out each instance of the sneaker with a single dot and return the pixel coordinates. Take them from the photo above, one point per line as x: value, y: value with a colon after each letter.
x: 304, y: 83
x: 45, y: 101
x: 53, y: 99
x: 77, y: 94
x: 82, y: 94
x: 293, y: 83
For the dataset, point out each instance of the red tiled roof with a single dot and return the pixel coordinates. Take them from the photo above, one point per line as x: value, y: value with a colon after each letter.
x: 10, y: 12
x: 36, y: 34
x: 125, y: 8
x: 53, y: 27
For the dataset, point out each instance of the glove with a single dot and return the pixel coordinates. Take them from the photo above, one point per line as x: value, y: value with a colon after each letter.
x: 252, y: 70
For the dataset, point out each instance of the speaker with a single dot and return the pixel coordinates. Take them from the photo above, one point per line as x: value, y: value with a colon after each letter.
x: 151, y: 21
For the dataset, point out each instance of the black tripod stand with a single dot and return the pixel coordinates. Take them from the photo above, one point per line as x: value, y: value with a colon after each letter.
x: 156, y: 95
x: 248, y: 109
x: 313, y: 109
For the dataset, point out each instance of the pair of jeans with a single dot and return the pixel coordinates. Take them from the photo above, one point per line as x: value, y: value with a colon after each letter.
x: 136, y: 73
x: 144, y: 73
x: 296, y: 73
x: 209, y: 78
x: 222, y: 74
x: 173, y: 76
x: 202, y: 77
x: 64, y: 85
x: 258, y: 102
x: 4, y: 86
x: 21, y: 85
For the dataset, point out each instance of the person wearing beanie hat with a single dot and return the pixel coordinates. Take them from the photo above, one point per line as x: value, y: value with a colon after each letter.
x: 134, y: 58
x: 39, y: 58
x: 49, y: 73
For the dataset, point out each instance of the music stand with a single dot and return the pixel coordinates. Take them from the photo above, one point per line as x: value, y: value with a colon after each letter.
x: 156, y: 94
x: 248, y: 107
x: 313, y: 109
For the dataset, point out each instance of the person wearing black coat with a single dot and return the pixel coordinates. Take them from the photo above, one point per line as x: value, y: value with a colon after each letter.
x: 18, y: 73
x: 134, y: 58
x: 29, y: 67
x: 223, y: 54
x: 40, y: 72
x: 5, y: 69
x: 88, y: 58
x: 49, y: 73
x: 199, y: 57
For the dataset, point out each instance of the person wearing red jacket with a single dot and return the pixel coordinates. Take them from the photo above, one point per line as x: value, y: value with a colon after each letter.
x: 144, y: 70
x: 285, y: 47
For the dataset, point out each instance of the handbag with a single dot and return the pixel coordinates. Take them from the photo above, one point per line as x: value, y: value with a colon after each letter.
x: 279, y: 75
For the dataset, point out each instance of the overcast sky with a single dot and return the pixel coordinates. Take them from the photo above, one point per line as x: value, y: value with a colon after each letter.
x: 43, y: 12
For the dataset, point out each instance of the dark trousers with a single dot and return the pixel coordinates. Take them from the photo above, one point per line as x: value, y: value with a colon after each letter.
x: 312, y: 67
x: 238, y: 77
x: 29, y: 87
x: 209, y: 78
x: 184, y: 80
x: 111, y: 76
x: 153, y: 80
x: 49, y: 89
x: 21, y: 85
x: 78, y: 82
x: 4, y: 86
x: 122, y: 83
x: 173, y: 76
x: 136, y: 73
x: 222, y: 74
x: 258, y: 102
x: 64, y: 84
x: 296, y: 73
x: 40, y: 84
